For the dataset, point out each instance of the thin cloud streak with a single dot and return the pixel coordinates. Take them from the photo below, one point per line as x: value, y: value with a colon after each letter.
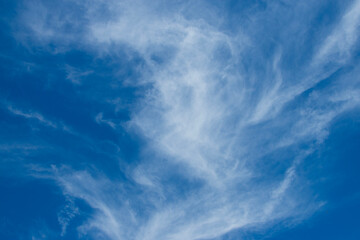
x: 32, y: 115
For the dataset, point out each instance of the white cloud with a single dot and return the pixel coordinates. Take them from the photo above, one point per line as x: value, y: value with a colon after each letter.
x: 337, y: 46
x: 100, y: 119
x: 209, y: 122
x: 75, y: 75
x: 67, y: 214
x: 32, y: 115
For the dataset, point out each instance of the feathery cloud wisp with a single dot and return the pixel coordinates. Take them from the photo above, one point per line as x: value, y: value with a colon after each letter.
x: 210, y: 118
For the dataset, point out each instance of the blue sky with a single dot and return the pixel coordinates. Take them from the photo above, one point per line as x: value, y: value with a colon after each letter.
x: 179, y: 120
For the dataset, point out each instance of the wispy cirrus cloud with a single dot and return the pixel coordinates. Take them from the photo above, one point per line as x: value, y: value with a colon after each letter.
x: 212, y: 112
x: 338, y: 45
x: 32, y: 115
x: 100, y: 119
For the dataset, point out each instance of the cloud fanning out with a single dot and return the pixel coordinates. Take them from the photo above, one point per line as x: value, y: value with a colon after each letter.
x: 226, y: 115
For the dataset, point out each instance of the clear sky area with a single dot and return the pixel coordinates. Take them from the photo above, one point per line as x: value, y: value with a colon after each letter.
x: 179, y: 120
